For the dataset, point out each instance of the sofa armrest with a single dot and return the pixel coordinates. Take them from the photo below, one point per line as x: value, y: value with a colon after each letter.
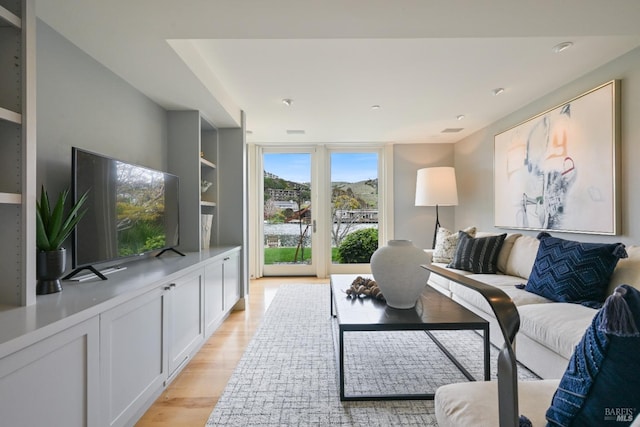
x: 508, y: 318
x: 429, y: 253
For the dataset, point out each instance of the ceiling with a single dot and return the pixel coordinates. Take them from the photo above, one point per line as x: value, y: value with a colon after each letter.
x: 424, y: 62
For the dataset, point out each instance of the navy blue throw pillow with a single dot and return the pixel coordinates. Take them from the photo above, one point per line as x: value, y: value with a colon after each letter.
x: 569, y: 271
x: 601, y: 383
x: 477, y: 255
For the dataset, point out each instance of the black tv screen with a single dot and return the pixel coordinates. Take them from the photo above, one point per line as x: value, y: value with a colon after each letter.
x: 131, y: 210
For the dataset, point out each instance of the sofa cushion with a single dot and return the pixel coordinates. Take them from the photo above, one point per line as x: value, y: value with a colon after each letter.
x: 476, y: 403
x: 442, y: 283
x: 570, y: 271
x: 523, y: 254
x: 446, y: 242
x: 478, y: 255
x: 558, y: 326
x: 600, y: 386
x: 520, y: 297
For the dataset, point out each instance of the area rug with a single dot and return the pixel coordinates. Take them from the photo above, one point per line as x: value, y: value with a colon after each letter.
x: 288, y: 373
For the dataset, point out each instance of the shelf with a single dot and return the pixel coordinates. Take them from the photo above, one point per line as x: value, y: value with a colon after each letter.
x: 10, y: 116
x: 205, y: 162
x: 17, y: 151
x: 10, y: 198
x: 10, y: 18
x: 205, y: 203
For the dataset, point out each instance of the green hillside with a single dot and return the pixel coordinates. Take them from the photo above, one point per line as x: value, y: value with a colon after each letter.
x: 366, y: 190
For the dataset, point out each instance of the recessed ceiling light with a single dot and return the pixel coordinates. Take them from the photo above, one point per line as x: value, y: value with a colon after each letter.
x: 460, y: 117
x: 561, y: 47
x: 287, y: 102
x: 375, y: 107
x: 497, y: 91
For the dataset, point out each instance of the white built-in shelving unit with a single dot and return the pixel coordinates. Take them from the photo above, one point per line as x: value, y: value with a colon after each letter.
x: 198, y: 151
x: 115, y: 345
x: 17, y: 152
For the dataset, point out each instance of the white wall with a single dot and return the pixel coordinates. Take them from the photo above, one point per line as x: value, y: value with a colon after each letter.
x: 474, y: 155
x: 81, y: 103
x: 416, y: 223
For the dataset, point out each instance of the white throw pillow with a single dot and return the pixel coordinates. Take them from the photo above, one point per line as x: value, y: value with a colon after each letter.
x: 446, y: 242
x: 627, y: 270
x: 522, y: 256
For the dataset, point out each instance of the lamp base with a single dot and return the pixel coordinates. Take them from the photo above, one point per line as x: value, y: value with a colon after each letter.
x: 435, y: 231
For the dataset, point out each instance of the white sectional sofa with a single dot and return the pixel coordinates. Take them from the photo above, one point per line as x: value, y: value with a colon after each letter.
x: 549, y: 330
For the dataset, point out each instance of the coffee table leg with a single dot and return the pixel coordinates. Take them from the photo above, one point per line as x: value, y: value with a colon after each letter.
x: 487, y: 354
x: 341, y: 363
x: 331, y: 299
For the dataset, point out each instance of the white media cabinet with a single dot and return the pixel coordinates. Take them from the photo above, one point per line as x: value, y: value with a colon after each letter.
x: 100, y: 352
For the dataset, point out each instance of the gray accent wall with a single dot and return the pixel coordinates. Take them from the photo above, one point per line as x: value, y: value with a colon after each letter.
x: 82, y: 103
x: 474, y: 155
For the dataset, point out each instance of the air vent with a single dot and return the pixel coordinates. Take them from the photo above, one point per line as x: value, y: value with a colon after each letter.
x: 295, y: 132
x: 452, y: 130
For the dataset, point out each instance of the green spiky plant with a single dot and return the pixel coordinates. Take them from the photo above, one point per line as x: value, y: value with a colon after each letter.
x: 52, y: 225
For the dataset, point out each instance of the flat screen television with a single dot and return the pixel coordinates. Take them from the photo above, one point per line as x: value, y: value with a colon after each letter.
x: 131, y: 210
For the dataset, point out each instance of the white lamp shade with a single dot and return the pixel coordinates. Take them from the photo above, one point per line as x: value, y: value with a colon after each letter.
x: 436, y: 187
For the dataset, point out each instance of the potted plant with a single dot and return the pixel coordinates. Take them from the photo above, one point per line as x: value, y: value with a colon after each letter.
x: 53, y: 227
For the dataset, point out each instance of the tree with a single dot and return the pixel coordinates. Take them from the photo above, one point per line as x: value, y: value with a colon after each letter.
x: 270, y: 209
x: 345, y: 212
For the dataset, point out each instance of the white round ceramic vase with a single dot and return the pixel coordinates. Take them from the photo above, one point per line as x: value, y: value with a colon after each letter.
x: 396, y: 269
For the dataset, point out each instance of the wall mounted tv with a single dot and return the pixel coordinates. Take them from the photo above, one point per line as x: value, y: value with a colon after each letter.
x: 131, y: 211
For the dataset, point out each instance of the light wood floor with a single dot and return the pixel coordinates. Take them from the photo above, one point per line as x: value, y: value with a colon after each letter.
x: 191, y: 397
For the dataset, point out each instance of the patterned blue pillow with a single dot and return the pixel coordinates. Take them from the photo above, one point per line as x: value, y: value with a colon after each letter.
x: 600, y: 386
x: 569, y: 271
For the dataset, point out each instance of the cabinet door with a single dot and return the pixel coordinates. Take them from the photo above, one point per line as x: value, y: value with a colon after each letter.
x: 132, y: 348
x: 184, y: 319
x: 213, y: 296
x: 231, y: 280
x: 54, y: 381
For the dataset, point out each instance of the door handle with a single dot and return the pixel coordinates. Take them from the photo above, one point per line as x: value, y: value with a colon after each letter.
x: 314, y: 226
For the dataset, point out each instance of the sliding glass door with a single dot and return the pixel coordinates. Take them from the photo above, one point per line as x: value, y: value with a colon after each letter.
x: 320, y: 210
x: 288, y: 226
x: 354, y: 215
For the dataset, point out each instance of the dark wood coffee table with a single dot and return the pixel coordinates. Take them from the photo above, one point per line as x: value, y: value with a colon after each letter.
x: 433, y: 311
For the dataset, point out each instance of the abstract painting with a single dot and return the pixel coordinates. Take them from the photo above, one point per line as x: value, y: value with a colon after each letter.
x: 557, y: 170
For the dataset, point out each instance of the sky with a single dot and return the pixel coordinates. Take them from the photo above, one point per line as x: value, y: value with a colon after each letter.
x: 347, y: 167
